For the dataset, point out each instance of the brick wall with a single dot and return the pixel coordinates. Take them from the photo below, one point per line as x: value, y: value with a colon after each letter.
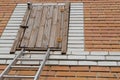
x: 73, y: 73
x: 102, y: 23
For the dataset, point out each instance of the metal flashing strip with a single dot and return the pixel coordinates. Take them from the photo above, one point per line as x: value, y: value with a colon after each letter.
x: 10, y: 32
x: 96, y: 58
x: 76, y: 28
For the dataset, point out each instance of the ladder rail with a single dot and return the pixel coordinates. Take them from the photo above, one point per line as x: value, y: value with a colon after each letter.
x: 42, y: 65
x: 12, y: 63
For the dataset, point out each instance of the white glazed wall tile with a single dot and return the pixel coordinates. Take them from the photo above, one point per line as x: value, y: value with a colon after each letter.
x: 76, y: 57
x: 68, y: 63
x: 114, y: 53
x: 96, y: 57
x: 107, y: 63
x: 87, y: 63
x: 50, y: 62
x: 99, y: 53
x: 76, y: 25
x: 112, y: 57
x: 10, y: 32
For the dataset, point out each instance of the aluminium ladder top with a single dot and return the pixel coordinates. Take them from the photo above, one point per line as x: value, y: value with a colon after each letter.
x: 12, y: 65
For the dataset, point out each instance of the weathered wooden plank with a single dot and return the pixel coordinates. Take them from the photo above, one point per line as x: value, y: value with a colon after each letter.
x: 48, y: 26
x: 39, y: 49
x: 54, y: 27
x: 58, y: 38
x: 42, y: 26
x: 20, y: 32
x: 46, y: 35
x: 35, y: 29
x: 65, y: 28
x: 28, y: 31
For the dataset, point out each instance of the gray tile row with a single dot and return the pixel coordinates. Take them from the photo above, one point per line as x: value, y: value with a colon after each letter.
x: 70, y: 59
x: 66, y: 62
x: 76, y: 28
x: 10, y: 32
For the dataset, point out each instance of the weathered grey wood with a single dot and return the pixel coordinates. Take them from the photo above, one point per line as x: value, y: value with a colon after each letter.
x: 58, y: 38
x: 42, y: 26
x: 20, y: 32
x: 35, y: 29
x: 46, y: 35
x: 65, y: 29
x: 54, y: 27
x: 28, y: 31
x: 16, y: 40
x: 47, y: 26
x: 39, y: 49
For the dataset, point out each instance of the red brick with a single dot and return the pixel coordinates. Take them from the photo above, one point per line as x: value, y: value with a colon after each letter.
x: 55, y: 78
x: 102, y: 79
x: 79, y: 68
x: 78, y: 78
x: 47, y: 68
x: 60, y: 68
x: 115, y: 69
x: 48, y: 73
x: 66, y: 74
x: 1, y: 71
x: 2, y: 67
x: 105, y: 74
x: 86, y: 74
x: 26, y: 73
x: 100, y: 69
x: 12, y: 72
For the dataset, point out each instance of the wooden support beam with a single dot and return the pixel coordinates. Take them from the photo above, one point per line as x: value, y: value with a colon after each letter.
x: 39, y: 48
x: 28, y: 31
x: 65, y: 28
x: 23, y: 26
x: 20, y: 32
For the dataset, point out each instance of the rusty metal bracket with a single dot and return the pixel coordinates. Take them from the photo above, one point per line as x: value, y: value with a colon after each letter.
x: 23, y: 26
x: 29, y: 4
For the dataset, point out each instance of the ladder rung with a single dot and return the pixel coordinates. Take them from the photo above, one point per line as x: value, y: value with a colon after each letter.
x: 32, y: 53
x: 16, y: 76
x: 24, y: 66
x: 29, y: 59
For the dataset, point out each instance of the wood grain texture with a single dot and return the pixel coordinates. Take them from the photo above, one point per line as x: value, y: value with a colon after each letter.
x: 42, y: 26
x: 28, y: 31
x: 35, y: 29
x: 65, y: 29
x: 54, y: 27
x: 20, y: 32
x: 47, y: 26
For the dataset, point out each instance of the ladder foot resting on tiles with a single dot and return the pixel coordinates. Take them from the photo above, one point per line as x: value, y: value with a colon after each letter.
x: 18, y: 65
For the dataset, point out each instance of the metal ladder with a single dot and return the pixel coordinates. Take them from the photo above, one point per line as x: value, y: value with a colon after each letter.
x: 5, y: 75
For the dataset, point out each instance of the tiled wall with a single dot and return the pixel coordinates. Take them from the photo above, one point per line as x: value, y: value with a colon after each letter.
x: 73, y: 73
x: 102, y: 23
x: 101, y: 18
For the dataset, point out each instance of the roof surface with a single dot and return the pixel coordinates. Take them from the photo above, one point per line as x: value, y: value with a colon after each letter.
x: 101, y: 32
x: 101, y: 21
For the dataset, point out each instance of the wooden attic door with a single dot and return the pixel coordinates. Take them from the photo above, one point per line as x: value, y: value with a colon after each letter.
x: 47, y: 27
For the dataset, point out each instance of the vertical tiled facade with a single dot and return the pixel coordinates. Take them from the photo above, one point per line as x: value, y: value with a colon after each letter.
x: 102, y: 26
x: 101, y: 21
x: 101, y: 37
